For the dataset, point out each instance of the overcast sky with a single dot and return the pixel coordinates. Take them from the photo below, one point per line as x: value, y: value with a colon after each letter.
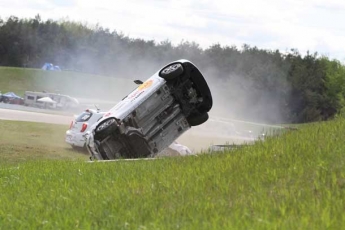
x: 315, y: 25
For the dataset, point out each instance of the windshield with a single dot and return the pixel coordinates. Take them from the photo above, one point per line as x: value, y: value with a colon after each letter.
x: 85, y: 116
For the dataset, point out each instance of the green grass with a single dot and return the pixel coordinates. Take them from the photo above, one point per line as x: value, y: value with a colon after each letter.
x: 19, y: 80
x: 294, y: 181
x: 23, y: 141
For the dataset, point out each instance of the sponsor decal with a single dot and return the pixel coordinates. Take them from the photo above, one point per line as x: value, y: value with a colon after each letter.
x: 137, y: 95
x: 133, y: 95
x: 145, y: 85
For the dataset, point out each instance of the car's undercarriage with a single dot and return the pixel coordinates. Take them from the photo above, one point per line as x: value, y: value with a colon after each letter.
x: 159, y: 119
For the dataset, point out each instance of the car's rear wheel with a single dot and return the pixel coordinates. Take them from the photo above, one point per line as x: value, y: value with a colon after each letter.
x: 105, y: 129
x: 112, y: 149
x: 172, y: 71
x: 197, y: 120
x: 6, y: 100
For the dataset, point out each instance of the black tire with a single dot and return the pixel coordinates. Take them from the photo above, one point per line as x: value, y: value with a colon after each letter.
x: 6, y: 100
x: 172, y: 71
x: 111, y: 149
x: 201, y: 85
x: 197, y: 120
x: 105, y: 129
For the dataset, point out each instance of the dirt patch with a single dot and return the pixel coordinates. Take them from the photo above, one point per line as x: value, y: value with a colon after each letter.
x: 201, y: 141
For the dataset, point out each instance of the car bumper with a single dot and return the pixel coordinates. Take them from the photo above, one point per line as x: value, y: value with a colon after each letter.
x: 75, y: 139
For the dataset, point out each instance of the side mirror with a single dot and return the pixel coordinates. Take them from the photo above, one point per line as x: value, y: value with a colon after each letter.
x: 138, y: 82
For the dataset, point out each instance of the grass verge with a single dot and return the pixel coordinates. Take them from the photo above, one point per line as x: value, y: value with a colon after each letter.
x: 294, y: 181
x: 25, y: 141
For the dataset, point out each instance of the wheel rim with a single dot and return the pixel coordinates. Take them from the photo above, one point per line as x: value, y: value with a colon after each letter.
x: 170, y: 69
x: 105, y: 125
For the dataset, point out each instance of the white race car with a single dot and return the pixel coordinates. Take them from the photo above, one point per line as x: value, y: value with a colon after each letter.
x: 152, y: 116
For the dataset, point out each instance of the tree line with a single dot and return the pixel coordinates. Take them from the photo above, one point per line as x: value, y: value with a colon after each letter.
x: 276, y: 87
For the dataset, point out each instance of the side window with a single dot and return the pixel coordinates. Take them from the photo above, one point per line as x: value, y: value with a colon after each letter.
x: 85, y: 116
x: 30, y: 97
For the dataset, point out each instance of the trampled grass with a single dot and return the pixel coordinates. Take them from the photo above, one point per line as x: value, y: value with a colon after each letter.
x: 294, y: 181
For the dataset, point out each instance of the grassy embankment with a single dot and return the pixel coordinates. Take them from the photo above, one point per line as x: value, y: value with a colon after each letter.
x: 295, y: 181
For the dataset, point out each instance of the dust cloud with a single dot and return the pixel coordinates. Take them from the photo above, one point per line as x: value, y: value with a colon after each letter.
x: 236, y: 103
x: 240, y: 113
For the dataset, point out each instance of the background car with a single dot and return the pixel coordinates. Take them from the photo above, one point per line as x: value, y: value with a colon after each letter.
x: 82, y: 123
x: 11, y: 98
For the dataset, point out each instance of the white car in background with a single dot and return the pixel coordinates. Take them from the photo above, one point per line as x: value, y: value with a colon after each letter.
x: 82, y: 123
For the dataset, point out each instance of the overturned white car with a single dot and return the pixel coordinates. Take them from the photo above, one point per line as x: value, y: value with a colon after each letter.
x: 154, y: 115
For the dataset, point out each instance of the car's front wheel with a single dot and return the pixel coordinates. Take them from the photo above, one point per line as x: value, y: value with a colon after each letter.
x: 172, y: 71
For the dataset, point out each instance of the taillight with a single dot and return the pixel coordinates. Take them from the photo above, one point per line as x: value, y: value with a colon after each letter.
x: 84, y: 127
x: 70, y: 126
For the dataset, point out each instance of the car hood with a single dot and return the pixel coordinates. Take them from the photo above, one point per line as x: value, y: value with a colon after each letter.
x: 135, y: 98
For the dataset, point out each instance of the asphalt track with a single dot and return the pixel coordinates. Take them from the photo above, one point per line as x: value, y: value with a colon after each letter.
x: 18, y: 115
